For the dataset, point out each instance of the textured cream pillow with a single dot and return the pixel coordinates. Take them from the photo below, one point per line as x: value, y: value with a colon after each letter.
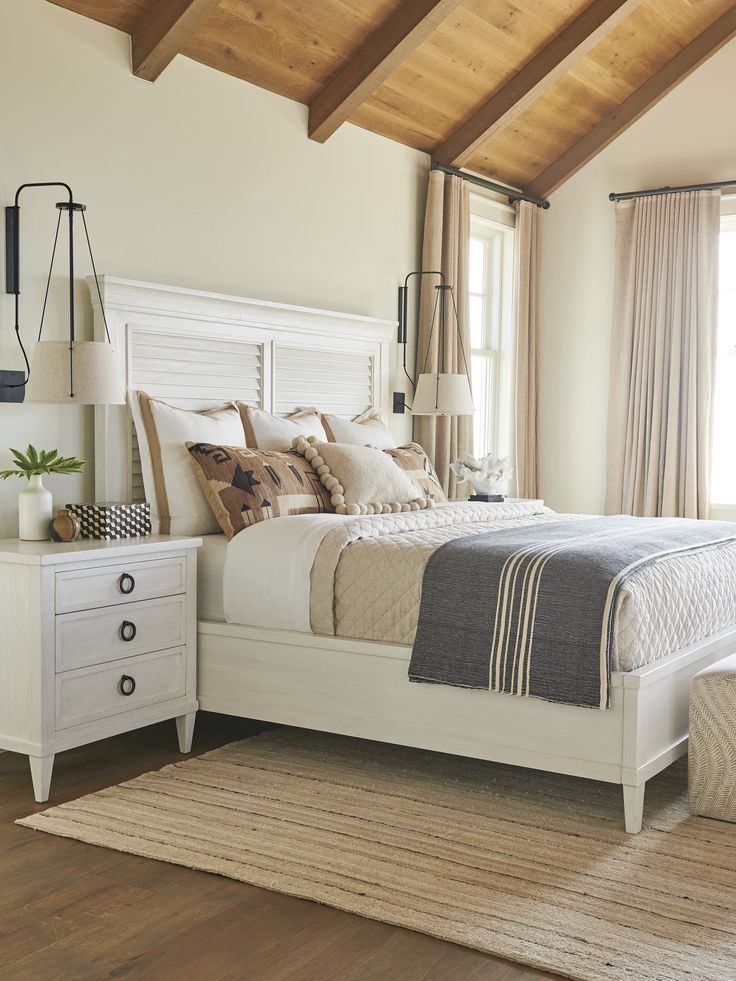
x: 365, y: 430
x: 178, y: 503
x: 265, y: 431
x: 361, y: 479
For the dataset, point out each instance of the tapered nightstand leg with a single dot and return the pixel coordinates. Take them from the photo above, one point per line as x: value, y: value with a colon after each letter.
x: 634, y: 808
x: 41, y: 769
x: 185, y: 731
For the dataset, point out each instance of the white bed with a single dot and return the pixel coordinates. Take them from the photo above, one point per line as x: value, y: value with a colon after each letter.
x: 210, y: 571
x: 287, y: 357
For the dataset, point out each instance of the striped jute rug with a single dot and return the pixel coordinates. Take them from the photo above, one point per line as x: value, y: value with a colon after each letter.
x: 529, y: 866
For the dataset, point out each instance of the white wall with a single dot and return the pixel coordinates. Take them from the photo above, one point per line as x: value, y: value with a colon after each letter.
x: 199, y: 180
x: 689, y: 137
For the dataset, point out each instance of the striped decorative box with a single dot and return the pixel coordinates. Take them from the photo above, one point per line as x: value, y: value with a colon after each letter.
x: 110, y: 521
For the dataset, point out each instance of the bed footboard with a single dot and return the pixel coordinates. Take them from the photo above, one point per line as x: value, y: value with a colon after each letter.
x: 360, y: 688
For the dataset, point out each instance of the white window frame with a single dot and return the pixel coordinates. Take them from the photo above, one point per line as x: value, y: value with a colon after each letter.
x: 728, y: 220
x: 495, y: 223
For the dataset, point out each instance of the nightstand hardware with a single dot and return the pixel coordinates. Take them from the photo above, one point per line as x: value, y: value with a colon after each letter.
x: 126, y: 583
x: 127, y: 631
x: 127, y: 685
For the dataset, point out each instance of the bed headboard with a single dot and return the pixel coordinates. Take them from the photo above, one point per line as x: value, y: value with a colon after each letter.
x: 198, y: 349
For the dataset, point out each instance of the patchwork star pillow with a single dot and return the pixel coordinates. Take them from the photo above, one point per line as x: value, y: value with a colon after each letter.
x: 245, y: 486
x: 416, y: 465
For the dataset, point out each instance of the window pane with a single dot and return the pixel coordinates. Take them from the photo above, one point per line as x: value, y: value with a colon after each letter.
x: 723, y: 470
x: 477, y: 264
x: 476, y: 321
x: 492, y: 332
x: 727, y: 320
x: 482, y: 369
x: 727, y: 256
x: 723, y: 477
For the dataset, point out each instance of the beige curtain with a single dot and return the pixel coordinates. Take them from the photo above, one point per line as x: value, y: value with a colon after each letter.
x: 446, y: 244
x: 663, y: 354
x: 527, y: 342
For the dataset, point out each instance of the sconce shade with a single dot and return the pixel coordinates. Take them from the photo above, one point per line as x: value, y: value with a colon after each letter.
x: 443, y: 395
x: 96, y: 376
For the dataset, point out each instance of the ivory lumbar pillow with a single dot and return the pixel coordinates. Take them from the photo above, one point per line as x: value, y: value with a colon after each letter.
x: 364, y: 430
x: 265, y: 431
x: 361, y: 479
x: 178, y: 504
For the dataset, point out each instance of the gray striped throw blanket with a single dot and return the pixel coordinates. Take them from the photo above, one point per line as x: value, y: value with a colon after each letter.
x: 530, y: 611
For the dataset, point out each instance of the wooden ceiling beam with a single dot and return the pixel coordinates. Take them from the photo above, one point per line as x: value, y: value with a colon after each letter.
x: 637, y: 104
x: 163, y: 32
x: 385, y: 49
x: 508, y: 102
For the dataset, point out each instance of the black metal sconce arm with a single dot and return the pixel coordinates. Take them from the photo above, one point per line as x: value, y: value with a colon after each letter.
x: 12, y: 259
x: 400, y: 402
x: 404, y: 301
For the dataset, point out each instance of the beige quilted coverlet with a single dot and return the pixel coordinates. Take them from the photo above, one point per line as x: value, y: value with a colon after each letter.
x: 366, y: 581
x: 367, y: 576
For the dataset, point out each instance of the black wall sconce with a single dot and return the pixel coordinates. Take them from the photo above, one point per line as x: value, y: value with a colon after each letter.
x: 77, y: 372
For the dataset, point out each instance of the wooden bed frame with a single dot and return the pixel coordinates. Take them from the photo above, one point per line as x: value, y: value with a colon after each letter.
x: 198, y: 349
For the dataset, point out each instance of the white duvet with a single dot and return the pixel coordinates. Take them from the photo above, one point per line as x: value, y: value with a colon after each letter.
x: 664, y: 607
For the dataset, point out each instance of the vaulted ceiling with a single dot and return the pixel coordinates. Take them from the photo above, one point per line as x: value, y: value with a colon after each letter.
x: 521, y: 91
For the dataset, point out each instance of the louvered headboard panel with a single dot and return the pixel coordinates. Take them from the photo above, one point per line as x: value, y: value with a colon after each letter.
x: 201, y: 349
x: 340, y: 382
x: 205, y: 372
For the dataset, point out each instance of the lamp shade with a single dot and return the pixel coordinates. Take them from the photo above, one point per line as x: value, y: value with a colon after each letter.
x: 443, y: 395
x: 89, y: 370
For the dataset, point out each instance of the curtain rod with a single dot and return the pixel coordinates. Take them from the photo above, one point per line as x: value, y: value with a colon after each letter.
x: 712, y: 186
x: 510, y: 193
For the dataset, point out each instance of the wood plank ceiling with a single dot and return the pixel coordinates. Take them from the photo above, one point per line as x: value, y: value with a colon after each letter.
x: 521, y: 91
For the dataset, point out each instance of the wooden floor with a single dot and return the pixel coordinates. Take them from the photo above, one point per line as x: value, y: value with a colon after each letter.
x: 75, y: 912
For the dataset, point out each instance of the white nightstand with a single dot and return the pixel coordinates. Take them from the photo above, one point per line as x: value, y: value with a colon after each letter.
x: 96, y: 638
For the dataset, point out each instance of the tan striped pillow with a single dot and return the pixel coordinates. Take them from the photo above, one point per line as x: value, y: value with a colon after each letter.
x: 177, y: 504
x: 265, y: 431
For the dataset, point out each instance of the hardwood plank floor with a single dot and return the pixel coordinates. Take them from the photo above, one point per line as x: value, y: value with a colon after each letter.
x: 73, y: 912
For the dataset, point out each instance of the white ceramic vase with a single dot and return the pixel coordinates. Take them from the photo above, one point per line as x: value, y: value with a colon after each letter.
x: 35, y: 510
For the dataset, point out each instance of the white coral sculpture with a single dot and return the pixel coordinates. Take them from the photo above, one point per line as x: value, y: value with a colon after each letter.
x: 489, y: 475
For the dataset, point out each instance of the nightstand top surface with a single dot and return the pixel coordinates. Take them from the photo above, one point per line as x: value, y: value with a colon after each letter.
x: 54, y: 553
x: 507, y: 500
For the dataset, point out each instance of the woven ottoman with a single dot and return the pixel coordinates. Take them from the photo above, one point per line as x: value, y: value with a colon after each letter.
x: 712, y: 760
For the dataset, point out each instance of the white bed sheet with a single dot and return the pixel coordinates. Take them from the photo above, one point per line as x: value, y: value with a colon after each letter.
x: 267, y: 571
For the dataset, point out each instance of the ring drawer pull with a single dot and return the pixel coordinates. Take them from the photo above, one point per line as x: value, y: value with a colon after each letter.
x: 126, y: 583
x: 127, y: 685
x: 127, y: 631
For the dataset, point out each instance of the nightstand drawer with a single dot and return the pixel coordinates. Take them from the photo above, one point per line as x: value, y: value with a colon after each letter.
x: 89, y: 694
x: 88, y: 588
x: 97, y: 636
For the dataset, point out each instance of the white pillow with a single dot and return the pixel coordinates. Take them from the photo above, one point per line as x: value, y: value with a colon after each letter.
x: 178, y: 503
x: 365, y: 430
x: 265, y: 431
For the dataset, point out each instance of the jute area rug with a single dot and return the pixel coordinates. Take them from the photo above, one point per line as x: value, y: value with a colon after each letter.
x: 529, y: 866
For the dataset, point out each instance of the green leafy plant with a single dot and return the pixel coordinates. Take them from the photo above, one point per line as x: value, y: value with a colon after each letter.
x: 34, y: 462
